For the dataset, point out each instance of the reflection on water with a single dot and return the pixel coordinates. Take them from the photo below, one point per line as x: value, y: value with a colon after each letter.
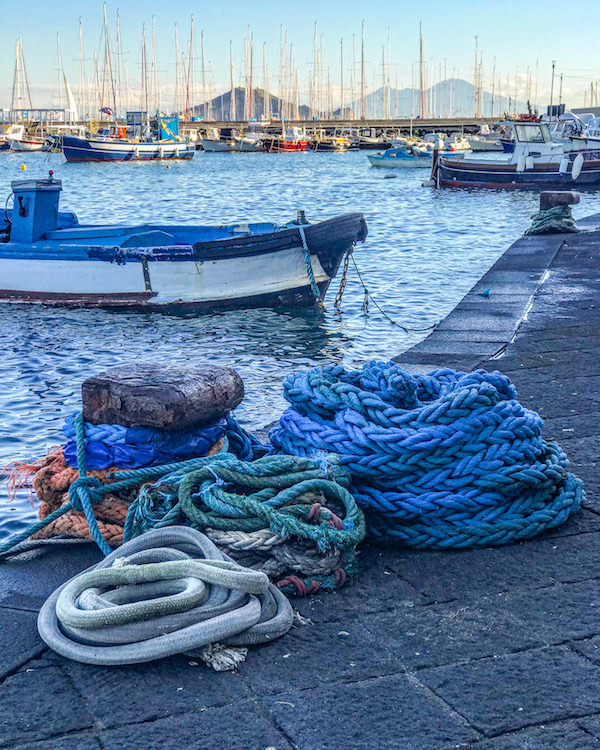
x: 424, y: 251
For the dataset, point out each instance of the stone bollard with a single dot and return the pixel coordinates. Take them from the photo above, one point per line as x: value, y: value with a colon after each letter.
x: 164, y: 397
x: 554, y: 216
x: 552, y: 198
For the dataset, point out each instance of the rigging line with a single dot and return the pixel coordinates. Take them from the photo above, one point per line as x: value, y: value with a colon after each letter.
x: 385, y: 315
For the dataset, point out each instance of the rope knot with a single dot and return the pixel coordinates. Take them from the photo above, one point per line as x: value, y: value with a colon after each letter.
x: 84, y: 487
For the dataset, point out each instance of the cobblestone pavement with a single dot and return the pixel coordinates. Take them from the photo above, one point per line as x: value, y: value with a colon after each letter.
x: 493, y: 649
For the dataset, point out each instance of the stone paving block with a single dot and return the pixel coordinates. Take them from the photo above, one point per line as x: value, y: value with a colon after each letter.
x: 498, y: 695
x: 556, y: 613
x: 243, y: 727
x: 590, y: 648
x: 464, y: 320
x: 451, y: 633
x: 20, y: 639
x: 387, y: 713
x: 464, y: 336
x: 29, y: 579
x: 467, y: 574
x: 347, y: 650
x: 154, y: 690
x: 39, y: 704
x: 373, y: 588
x: 567, y: 736
x: 77, y: 741
x: 591, y: 724
x: 451, y: 346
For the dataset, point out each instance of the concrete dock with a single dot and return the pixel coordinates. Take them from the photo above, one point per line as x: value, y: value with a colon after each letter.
x: 490, y: 649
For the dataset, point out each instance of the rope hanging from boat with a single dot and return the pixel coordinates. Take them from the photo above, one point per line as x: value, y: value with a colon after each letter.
x: 444, y: 460
x: 169, y: 592
x: 309, y: 269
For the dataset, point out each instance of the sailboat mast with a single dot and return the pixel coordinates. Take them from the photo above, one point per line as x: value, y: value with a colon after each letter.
x: 190, y: 74
x: 155, y: 93
x: 362, y: 74
x: 232, y: 112
x: 421, y: 65
x: 389, y: 75
x: 118, y: 66
x: 266, y: 95
x: 341, y: 79
x: 203, y: 74
x: 251, y: 103
x: 144, y: 90
x: 81, y: 75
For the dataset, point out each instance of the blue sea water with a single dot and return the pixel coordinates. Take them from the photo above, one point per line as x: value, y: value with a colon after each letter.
x: 425, y: 250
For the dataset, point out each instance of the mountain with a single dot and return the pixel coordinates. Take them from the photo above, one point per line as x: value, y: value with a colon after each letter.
x: 450, y: 98
x: 220, y: 107
x: 453, y: 97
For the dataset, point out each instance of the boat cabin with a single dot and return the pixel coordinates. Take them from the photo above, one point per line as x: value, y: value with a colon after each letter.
x: 532, y: 132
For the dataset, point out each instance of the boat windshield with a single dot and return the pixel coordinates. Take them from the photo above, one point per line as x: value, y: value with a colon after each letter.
x: 533, y: 133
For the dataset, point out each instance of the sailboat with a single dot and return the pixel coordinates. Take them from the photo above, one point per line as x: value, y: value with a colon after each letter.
x: 143, y: 139
x: 22, y: 136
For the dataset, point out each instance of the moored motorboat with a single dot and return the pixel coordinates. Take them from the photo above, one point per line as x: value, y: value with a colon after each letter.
x: 294, y: 139
x: 404, y: 157
x: 536, y: 162
x: 48, y: 257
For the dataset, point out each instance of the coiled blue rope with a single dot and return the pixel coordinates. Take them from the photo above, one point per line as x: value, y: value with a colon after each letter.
x: 444, y: 460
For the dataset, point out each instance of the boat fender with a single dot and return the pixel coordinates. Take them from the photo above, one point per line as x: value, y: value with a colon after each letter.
x: 521, y: 164
x: 428, y: 183
x: 564, y: 164
x: 577, y: 166
x: 529, y: 162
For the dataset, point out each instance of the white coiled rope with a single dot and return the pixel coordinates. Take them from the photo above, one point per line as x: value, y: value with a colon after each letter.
x: 167, y: 592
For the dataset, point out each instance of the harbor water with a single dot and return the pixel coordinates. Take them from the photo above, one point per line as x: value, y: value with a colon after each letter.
x: 425, y: 250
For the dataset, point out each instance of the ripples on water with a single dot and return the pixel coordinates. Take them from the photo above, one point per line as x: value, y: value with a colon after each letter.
x: 425, y: 250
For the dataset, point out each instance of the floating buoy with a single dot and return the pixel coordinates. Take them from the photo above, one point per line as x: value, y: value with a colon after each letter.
x: 389, y: 176
x: 564, y: 165
x: 577, y: 166
x: 529, y: 162
x: 23, y: 167
x: 428, y: 183
x: 521, y: 164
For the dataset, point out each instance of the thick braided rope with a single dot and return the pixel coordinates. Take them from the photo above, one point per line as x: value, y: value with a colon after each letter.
x: 169, y: 592
x: 447, y: 459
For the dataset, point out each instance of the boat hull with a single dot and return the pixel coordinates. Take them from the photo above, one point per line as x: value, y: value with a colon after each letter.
x: 24, y: 145
x: 211, y: 146
x: 279, y: 145
x: 460, y: 173
x: 81, y: 149
x: 405, y: 163
x: 263, y: 270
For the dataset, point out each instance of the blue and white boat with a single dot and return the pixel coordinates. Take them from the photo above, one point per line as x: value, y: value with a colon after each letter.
x: 46, y: 256
x: 403, y: 157
x: 537, y: 162
x: 139, y: 140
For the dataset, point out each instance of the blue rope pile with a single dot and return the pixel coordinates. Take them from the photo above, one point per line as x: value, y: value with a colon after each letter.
x: 444, y: 460
x: 109, y: 445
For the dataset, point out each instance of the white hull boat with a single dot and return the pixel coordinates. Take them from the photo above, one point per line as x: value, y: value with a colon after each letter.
x: 47, y: 257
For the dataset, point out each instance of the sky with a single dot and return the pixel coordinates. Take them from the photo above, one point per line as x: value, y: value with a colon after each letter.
x: 515, y: 34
